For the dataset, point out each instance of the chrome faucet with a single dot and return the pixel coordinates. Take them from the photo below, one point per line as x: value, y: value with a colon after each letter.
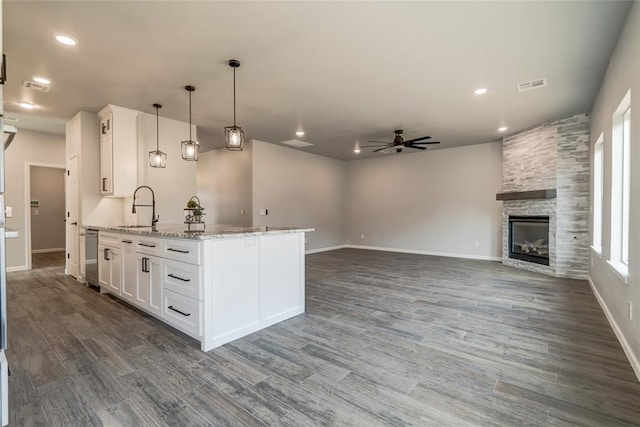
x: 154, y: 218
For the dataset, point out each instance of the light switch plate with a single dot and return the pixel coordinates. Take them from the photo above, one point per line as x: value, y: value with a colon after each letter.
x: 9, y: 212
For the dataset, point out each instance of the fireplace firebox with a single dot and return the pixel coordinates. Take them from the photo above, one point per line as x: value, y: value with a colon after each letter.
x: 529, y: 238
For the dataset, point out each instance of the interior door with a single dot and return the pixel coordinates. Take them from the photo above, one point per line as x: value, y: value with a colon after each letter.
x: 72, y: 239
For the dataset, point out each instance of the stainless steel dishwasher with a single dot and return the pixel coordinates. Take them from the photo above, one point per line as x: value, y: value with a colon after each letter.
x: 91, y: 256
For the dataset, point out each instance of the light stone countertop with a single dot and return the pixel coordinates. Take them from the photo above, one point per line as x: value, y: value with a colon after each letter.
x: 179, y: 231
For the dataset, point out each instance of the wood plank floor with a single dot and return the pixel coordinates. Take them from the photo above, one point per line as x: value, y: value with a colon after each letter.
x: 388, y: 339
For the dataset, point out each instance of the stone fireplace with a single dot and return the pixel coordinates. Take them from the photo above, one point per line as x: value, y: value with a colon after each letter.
x: 546, y: 178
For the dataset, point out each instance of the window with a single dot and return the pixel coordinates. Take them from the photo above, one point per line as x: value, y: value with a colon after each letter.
x: 620, y: 187
x: 598, y: 166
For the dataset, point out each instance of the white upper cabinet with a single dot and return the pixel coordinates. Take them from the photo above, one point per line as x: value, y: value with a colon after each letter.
x: 118, y: 151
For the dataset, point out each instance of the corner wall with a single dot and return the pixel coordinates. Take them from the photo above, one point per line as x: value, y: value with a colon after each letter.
x: 28, y: 146
x: 612, y: 292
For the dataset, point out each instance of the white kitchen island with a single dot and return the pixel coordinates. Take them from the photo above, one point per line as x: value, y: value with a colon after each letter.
x: 216, y: 286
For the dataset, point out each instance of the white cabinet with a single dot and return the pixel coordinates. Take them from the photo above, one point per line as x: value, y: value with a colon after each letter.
x: 118, y: 151
x: 129, y: 270
x: 110, y: 268
x: 149, y: 283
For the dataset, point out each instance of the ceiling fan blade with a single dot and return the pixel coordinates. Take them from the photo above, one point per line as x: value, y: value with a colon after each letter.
x: 421, y: 143
x: 417, y: 139
x: 380, y: 149
x: 416, y: 147
x: 371, y: 146
x: 379, y: 142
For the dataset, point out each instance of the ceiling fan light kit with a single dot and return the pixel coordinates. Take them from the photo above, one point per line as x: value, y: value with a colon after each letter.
x: 234, y: 135
x: 190, y: 149
x: 399, y: 143
x: 157, y: 159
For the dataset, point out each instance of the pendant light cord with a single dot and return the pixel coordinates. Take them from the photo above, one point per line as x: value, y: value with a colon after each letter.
x: 234, y: 97
x: 190, y: 117
x: 157, y: 131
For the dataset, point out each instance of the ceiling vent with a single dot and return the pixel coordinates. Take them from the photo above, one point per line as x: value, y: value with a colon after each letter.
x: 10, y: 120
x: 531, y: 85
x: 36, y: 86
x: 296, y: 143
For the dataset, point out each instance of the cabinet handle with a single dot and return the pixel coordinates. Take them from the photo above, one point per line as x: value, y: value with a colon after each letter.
x: 104, y: 184
x: 146, y: 245
x: 104, y: 129
x: 178, y: 311
x: 145, y: 265
x: 178, y: 250
x: 126, y: 241
x: 106, y: 254
x: 179, y: 278
x: 74, y: 223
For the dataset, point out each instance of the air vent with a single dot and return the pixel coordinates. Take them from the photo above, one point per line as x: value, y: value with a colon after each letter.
x: 533, y: 84
x: 10, y: 120
x: 296, y: 143
x: 36, y: 86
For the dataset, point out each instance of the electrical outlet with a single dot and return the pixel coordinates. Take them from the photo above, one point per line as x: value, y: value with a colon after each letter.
x: 477, y: 243
x: 362, y: 237
x: 630, y: 310
x: 9, y: 211
x: 241, y: 212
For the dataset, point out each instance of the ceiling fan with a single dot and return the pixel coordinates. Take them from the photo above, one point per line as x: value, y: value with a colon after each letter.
x: 399, y: 143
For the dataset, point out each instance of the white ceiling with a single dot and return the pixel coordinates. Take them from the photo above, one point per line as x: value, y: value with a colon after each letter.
x: 345, y: 72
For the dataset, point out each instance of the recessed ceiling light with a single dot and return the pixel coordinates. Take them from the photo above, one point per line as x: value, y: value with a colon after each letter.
x: 300, y: 133
x: 480, y: 91
x: 65, y: 39
x: 502, y: 129
x: 356, y: 150
x: 42, y: 80
x: 26, y: 105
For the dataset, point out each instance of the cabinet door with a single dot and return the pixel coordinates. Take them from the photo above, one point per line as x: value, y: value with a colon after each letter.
x: 104, y: 269
x: 142, y: 281
x: 106, y: 164
x: 149, y: 283
x: 115, y: 270
x: 155, y: 285
x: 129, y: 272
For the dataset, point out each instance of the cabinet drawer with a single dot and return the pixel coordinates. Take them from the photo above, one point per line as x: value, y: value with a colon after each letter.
x: 182, y: 250
x: 181, y: 312
x: 148, y: 246
x: 182, y: 278
x: 110, y: 239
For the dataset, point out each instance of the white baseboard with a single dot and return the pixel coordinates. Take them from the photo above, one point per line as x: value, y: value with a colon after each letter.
x: 325, y: 249
x: 44, y: 251
x: 18, y: 268
x: 418, y: 252
x: 628, y: 351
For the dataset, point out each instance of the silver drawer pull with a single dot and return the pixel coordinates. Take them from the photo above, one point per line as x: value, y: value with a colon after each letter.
x: 178, y: 311
x: 178, y: 250
x: 179, y: 278
x: 127, y: 241
x: 146, y: 245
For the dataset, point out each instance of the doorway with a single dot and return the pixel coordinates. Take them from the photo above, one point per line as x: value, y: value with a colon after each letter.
x: 45, y: 215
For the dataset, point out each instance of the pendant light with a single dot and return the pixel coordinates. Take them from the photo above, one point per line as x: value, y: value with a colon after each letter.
x: 157, y: 159
x: 234, y: 135
x: 190, y: 148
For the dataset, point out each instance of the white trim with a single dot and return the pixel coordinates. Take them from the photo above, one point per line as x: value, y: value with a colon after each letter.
x: 18, y: 268
x: 596, y: 251
x: 44, y: 251
x: 325, y: 249
x: 628, y: 351
x: 621, y: 270
x: 418, y: 252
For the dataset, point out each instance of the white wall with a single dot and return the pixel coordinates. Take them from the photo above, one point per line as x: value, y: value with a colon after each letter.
x: 622, y: 74
x: 224, y: 186
x: 47, y: 220
x: 28, y: 146
x: 299, y: 190
x: 173, y: 185
x: 438, y: 201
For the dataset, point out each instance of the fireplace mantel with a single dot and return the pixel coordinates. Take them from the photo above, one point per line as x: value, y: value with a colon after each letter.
x: 528, y: 195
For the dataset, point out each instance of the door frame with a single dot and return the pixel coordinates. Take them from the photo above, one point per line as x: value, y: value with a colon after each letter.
x: 27, y: 201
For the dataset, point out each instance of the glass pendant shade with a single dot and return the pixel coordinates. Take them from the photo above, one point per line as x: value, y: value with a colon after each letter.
x: 234, y: 135
x: 190, y: 149
x: 234, y: 138
x: 157, y: 159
